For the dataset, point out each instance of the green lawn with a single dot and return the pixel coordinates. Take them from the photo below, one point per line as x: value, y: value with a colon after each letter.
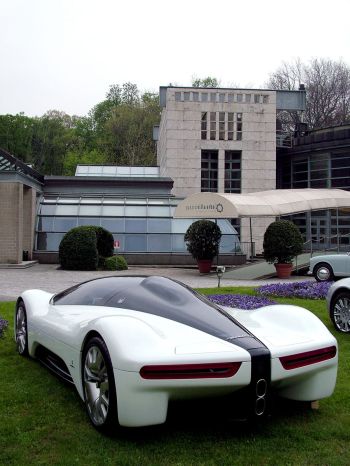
x: 42, y: 421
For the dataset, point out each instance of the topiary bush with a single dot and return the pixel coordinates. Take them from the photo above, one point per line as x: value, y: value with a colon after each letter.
x: 203, y: 239
x: 116, y: 263
x: 83, y: 247
x: 282, y: 242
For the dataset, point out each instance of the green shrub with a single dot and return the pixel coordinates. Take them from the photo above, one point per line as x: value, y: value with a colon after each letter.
x: 105, y: 241
x: 116, y: 263
x: 78, y: 249
x: 85, y: 247
x: 202, y: 239
x: 282, y: 242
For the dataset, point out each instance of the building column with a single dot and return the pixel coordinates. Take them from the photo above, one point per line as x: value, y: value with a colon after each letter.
x: 29, y: 205
x: 11, y: 230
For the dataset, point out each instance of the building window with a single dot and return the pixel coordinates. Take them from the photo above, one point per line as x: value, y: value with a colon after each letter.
x: 186, y: 96
x: 212, y: 126
x: 239, y: 97
x: 213, y: 97
x: 256, y: 98
x: 204, y: 97
x: 222, y: 126
x: 232, y: 171
x: 230, y: 126
x: 248, y: 98
x: 265, y: 99
x: 204, y: 125
x: 195, y: 96
x: 221, y: 98
x: 239, y: 127
x: 178, y: 96
x: 230, y: 98
x: 209, y: 171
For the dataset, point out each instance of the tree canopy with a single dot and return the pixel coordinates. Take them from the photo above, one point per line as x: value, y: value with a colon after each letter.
x: 327, y: 83
x: 117, y: 130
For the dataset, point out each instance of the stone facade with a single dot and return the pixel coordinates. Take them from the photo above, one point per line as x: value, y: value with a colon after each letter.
x: 253, y: 134
x: 17, y: 207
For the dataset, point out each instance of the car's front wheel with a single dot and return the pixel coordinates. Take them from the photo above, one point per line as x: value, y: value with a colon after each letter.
x: 323, y: 272
x: 21, y: 334
x: 340, y: 312
x: 99, y: 385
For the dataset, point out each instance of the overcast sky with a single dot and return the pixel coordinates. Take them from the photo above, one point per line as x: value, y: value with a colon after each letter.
x: 64, y: 54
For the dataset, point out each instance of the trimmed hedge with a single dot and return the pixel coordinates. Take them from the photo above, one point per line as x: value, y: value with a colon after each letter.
x: 116, y: 263
x: 202, y: 239
x: 81, y: 247
x: 282, y: 242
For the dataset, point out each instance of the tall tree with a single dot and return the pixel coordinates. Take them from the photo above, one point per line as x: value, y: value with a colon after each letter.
x: 327, y: 84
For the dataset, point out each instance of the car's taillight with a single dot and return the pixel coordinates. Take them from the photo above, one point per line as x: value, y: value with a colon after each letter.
x: 309, y: 357
x: 190, y: 371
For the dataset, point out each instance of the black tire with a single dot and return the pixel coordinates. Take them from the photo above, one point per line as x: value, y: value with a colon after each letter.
x: 99, y: 385
x: 21, y: 329
x: 323, y: 272
x: 340, y: 312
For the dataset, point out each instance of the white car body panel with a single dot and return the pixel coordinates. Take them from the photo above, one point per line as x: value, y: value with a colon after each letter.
x: 135, y: 339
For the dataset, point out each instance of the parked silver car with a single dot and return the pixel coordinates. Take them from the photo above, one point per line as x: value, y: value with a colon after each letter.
x: 338, y: 304
x: 327, y: 267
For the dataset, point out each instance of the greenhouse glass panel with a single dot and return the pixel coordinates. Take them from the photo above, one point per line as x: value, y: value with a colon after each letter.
x: 114, y: 200
x: 47, y: 209
x: 68, y: 200
x: 62, y: 209
x: 114, y: 225
x: 159, y: 225
x: 178, y: 243
x: 90, y: 210
x: 135, y: 243
x: 136, y: 225
x: 180, y: 225
x: 121, y: 239
x: 135, y: 201
x: 113, y: 211
x: 49, y: 241
x: 84, y: 221
x: 45, y: 223
x: 159, y: 243
x: 90, y: 200
x: 135, y: 211
x: 158, y: 211
x: 65, y: 223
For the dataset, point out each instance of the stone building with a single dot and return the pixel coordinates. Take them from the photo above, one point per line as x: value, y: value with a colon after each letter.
x: 223, y: 140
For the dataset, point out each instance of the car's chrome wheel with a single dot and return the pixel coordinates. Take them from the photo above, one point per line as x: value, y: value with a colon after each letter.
x: 323, y: 273
x: 21, y: 329
x: 99, y: 386
x: 340, y: 312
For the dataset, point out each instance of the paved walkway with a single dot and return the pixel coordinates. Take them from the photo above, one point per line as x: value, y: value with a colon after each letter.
x: 49, y: 278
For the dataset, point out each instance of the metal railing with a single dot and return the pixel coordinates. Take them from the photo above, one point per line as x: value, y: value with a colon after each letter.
x: 333, y: 243
x: 284, y: 139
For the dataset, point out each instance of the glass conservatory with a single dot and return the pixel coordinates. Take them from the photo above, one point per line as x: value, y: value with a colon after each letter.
x: 138, y: 224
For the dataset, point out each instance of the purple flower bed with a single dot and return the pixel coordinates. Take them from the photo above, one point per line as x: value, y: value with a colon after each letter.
x: 3, y: 326
x: 240, y: 301
x: 306, y: 290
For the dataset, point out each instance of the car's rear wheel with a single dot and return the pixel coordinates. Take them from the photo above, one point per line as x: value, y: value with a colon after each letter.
x: 21, y: 329
x: 99, y: 385
x: 340, y: 312
x: 323, y: 272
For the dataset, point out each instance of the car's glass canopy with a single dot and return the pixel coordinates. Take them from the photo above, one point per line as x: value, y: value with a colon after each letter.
x: 162, y: 297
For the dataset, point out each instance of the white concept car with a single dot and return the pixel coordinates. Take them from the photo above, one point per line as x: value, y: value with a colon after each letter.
x: 132, y: 344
